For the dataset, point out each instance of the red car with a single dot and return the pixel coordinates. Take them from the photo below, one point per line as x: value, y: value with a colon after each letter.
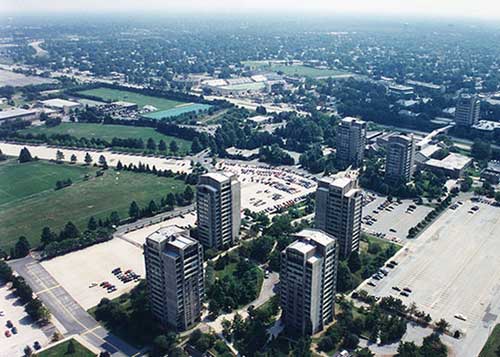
x: 7, y: 333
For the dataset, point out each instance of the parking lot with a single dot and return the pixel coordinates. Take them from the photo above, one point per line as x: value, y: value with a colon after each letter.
x: 394, y: 220
x: 77, y: 272
x: 453, y: 269
x: 27, y: 333
x: 266, y: 189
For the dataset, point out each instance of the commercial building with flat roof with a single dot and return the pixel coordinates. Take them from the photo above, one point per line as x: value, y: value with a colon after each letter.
x: 467, y: 110
x: 60, y: 104
x: 175, y: 277
x: 339, y: 204
x: 18, y: 113
x: 492, y: 173
x: 400, y: 159
x: 351, y: 142
x: 453, y: 165
x: 308, y: 281
x: 219, y: 210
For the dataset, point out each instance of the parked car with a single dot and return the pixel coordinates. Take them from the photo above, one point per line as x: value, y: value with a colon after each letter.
x: 404, y: 293
x: 7, y: 333
x: 407, y: 290
x: 396, y: 288
x: 37, y: 345
x: 371, y: 283
x: 9, y: 324
x: 14, y: 330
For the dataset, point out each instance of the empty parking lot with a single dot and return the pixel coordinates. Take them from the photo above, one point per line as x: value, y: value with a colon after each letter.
x: 453, y: 268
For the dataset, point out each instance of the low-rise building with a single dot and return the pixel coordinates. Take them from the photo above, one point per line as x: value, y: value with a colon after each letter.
x: 453, y: 165
x: 62, y: 105
x: 18, y: 113
x: 492, y: 173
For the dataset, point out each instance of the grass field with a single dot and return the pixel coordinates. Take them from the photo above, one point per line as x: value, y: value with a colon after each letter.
x: 492, y: 345
x: 108, y: 94
x: 296, y: 70
x: 60, y: 351
x: 30, y: 209
x: 108, y: 132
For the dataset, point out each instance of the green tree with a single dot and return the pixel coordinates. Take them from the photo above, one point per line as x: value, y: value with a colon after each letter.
x: 22, y: 247
x: 170, y: 200
x: 152, y: 207
x: 102, y: 161
x: 151, y: 145
x: 196, y: 146
x: 59, y: 156
x: 92, y: 224
x: 162, y: 146
x: 173, y: 147
x: 71, y: 347
x: 73, y: 158
x: 134, y: 210
x: 6, y: 273
x: 114, y: 218
x: 25, y: 155
x: 47, y: 236
x: 88, y: 159
x: 408, y: 349
x: 188, y: 194
x: 354, y: 262
x: 70, y: 231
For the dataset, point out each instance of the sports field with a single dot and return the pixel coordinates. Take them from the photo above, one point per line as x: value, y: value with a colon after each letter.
x: 169, y: 113
x: 108, y: 132
x: 108, y: 94
x: 296, y: 70
x: 34, y: 204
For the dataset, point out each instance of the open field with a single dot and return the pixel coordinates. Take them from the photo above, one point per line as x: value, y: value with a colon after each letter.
x: 61, y: 348
x: 9, y: 78
x: 267, y: 189
x: 453, y: 268
x: 395, y: 218
x: 27, y: 332
x: 19, y: 181
x: 108, y: 94
x: 182, y: 109
x: 49, y: 153
x: 108, y: 132
x: 76, y: 271
x: 297, y: 70
x: 99, y: 196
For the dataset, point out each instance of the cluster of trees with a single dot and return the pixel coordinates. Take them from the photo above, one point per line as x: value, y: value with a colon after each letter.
x: 33, y: 306
x: 70, y: 238
x: 431, y: 346
x: 233, y: 289
x: 203, y: 342
x: 63, y: 183
x: 314, y: 161
x: 431, y: 216
x: 166, y: 203
x: 24, y: 155
x: 130, y: 317
x: 257, y: 249
x: 274, y: 155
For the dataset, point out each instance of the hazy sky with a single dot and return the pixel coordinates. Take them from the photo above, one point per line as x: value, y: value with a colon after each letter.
x: 439, y: 8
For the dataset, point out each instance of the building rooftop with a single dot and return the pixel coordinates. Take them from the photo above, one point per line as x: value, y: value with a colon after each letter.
x: 452, y: 162
x: 216, y: 176
x: 352, y: 119
x: 59, y: 103
x: 8, y: 114
x: 316, y: 235
x: 164, y: 233
x: 302, y: 247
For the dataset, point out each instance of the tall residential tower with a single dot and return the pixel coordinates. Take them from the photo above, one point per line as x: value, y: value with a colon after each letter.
x: 175, y: 277
x: 467, y: 110
x: 351, y: 142
x: 400, y: 159
x: 339, y: 204
x: 308, y: 282
x: 219, y: 210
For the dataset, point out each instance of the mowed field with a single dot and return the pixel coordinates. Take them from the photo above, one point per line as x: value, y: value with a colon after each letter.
x: 108, y: 94
x: 108, y: 132
x: 297, y: 70
x: 32, y: 204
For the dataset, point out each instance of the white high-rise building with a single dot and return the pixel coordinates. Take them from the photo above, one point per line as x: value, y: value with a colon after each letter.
x: 219, y: 210
x: 175, y: 277
x: 468, y: 110
x: 339, y: 204
x: 308, y: 281
x: 400, y: 159
x: 351, y: 142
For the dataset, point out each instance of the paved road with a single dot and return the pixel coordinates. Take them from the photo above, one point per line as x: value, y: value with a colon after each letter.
x: 67, y: 311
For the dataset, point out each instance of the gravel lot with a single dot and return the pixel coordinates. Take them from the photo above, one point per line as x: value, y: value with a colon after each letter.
x: 27, y: 333
x: 453, y: 268
x: 76, y: 271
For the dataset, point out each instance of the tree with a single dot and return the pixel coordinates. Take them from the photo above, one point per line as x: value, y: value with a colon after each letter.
x: 25, y: 155
x: 162, y: 344
x: 71, y: 347
x: 73, y: 158
x: 3, y: 157
x: 47, y: 236
x: 481, y: 150
x: 134, y: 211
x: 408, y: 349
x: 170, y: 200
x: 88, y: 159
x: 188, y: 194
x: 6, y: 273
x: 37, y: 311
x: 119, y: 165
x: 152, y: 207
x: 102, y: 161
x: 196, y: 146
x: 364, y: 352
x: 114, y: 218
x: 173, y: 147
x: 22, y: 247
x: 59, y: 156
x: 92, y: 224
x: 162, y: 146
x: 354, y: 262
x: 432, y: 346
x: 442, y: 326
x: 151, y: 145
x: 69, y: 231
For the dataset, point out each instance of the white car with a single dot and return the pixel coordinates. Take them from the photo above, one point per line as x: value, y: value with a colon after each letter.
x: 460, y: 317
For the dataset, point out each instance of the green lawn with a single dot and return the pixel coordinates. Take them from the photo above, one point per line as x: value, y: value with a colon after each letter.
x: 60, y: 350
x: 492, y: 345
x: 108, y: 132
x: 108, y: 94
x: 19, y: 181
x: 98, y: 196
x: 296, y: 70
